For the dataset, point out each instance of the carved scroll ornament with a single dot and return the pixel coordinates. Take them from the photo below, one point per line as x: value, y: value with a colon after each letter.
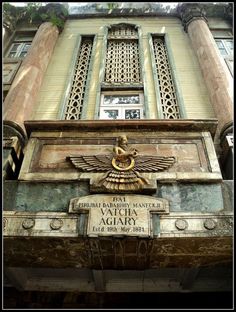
x: 122, y: 167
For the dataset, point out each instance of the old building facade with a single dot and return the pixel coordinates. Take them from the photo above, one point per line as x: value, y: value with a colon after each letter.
x: 118, y: 153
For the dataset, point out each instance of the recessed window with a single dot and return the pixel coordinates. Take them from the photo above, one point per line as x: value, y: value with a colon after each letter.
x: 121, y: 105
x: 226, y: 47
x: 169, y: 106
x: 20, y: 46
x: 19, y: 49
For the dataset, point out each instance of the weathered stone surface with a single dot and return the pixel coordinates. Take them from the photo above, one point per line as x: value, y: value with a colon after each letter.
x: 48, y: 152
x: 192, y: 196
x: 62, y: 126
x: 85, y: 223
x: 228, y: 194
x: 119, y: 214
x: 215, y: 72
x: 126, y: 253
x: 41, y: 196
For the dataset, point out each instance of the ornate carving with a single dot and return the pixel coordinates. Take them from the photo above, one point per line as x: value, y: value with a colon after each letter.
x: 123, y: 167
x: 122, y: 57
x: 5, y: 221
x: 56, y: 224
x: 209, y: 224
x: 123, y: 30
x: 76, y: 98
x: 28, y: 223
x: 169, y: 105
x: 181, y: 224
x: 191, y: 11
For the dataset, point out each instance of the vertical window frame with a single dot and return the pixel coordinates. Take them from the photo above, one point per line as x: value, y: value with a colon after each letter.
x: 223, y: 37
x: 72, y: 70
x: 176, y: 84
x: 102, y: 70
x: 229, y: 56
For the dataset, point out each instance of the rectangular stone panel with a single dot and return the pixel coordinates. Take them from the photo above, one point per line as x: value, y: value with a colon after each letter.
x: 119, y: 214
x: 47, y: 152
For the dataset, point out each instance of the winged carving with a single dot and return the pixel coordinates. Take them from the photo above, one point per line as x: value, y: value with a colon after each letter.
x: 122, y: 167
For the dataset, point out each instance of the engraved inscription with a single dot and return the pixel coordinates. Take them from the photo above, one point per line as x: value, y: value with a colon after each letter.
x: 119, y: 214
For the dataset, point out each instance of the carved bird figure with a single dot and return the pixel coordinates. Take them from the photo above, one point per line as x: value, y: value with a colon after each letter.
x: 122, y: 167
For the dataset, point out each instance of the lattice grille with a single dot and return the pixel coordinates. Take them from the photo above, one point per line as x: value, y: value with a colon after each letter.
x: 122, y: 63
x: 122, y: 57
x: 169, y: 103
x: 76, y: 98
x: 122, y: 31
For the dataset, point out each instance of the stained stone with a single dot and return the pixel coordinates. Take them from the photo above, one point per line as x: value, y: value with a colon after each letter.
x: 192, y: 196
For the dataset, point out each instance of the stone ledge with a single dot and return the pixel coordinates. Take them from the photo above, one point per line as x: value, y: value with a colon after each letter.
x: 53, y: 224
x: 125, y: 125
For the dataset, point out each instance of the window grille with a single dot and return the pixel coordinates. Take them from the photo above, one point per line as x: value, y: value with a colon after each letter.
x: 169, y: 105
x: 75, y: 101
x: 123, y: 31
x: 122, y: 56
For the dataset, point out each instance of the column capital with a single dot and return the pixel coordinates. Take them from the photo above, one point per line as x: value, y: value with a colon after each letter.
x: 228, y: 12
x: 191, y: 11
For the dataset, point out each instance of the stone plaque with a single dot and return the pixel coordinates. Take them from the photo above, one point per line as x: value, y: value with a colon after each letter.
x: 122, y: 214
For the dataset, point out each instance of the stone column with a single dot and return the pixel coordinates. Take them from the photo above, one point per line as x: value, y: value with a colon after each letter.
x: 214, y: 71
x: 22, y: 96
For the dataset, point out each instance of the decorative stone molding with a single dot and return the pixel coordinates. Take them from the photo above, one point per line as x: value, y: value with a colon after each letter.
x: 28, y: 223
x: 175, y: 224
x: 191, y: 11
x: 56, y: 224
x: 181, y: 224
x: 209, y: 224
x: 66, y: 247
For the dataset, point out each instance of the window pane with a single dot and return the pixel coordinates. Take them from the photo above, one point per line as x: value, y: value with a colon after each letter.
x: 219, y: 44
x: 132, y: 114
x: 223, y: 52
x: 26, y: 47
x: 111, y: 114
x: 23, y: 54
x: 229, y: 44
x: 15, y: 47
x: 124, y: 99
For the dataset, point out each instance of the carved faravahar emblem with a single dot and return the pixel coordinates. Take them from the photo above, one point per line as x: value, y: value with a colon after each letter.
x: 122, y: 167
